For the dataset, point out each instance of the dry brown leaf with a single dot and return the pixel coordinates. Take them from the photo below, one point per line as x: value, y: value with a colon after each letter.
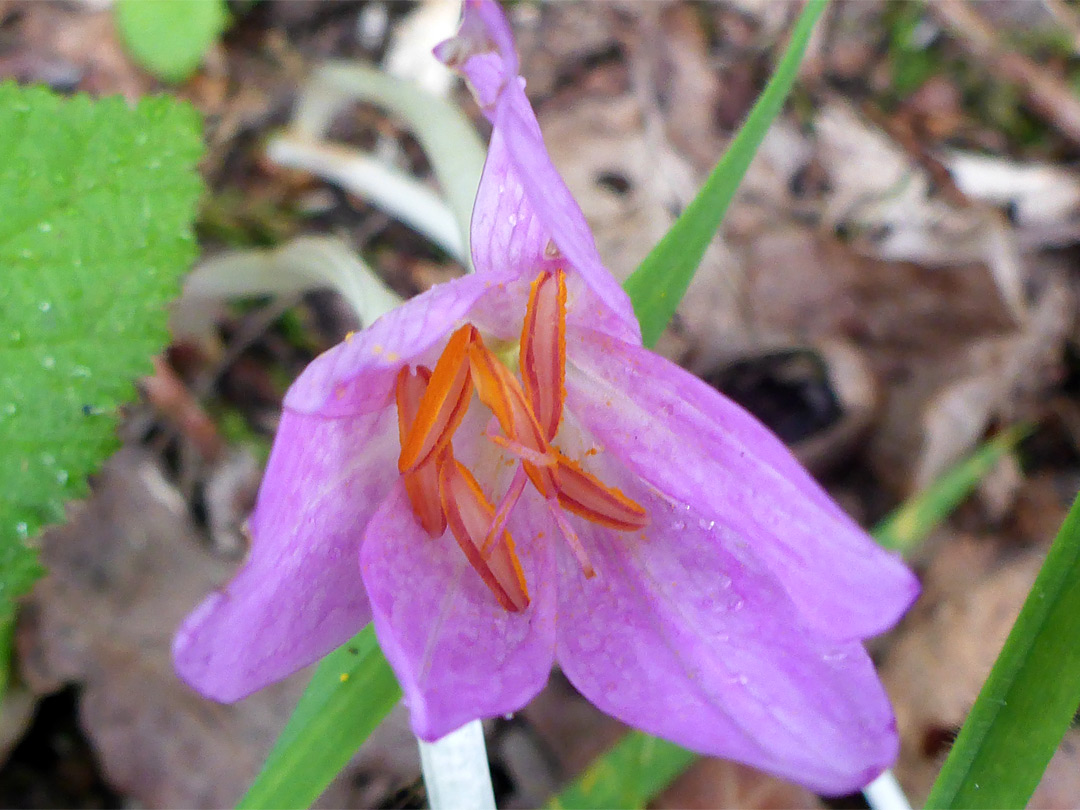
x: 83, y: 39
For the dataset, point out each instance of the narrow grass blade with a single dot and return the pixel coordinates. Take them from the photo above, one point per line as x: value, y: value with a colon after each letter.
x: 660, y: 282
x: 914, y: 520
x: 631, y: 773
x: 1031, y: 696
x: 351, y: 692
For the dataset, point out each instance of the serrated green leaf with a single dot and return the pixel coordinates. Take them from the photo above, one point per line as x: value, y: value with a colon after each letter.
x: 659, y: 283
x: 98, y: 202
x: 170, y: 37
x: 352, y: 690
x: 1030, y: 697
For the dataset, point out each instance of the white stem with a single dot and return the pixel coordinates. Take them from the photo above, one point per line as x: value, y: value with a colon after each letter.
x: 456, y: 770
x: 885, y: 793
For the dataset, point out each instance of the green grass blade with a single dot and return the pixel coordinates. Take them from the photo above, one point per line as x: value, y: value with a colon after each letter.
x: 351, y: 692
x: 640, y: 766
x: 915, y: 519
x: 631, y: 773
x: 659, y: 283
x: 1031, y: 696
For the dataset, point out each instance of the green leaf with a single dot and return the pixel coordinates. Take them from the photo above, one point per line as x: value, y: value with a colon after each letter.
x: 1030, y: 697
x: 98, y: 203
x: 914, y: 520
x: 351, y: 692
x: 659, y: 283
x: 629, y: 775
x: 170, y: 37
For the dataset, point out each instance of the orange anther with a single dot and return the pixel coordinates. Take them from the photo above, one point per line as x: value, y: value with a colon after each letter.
x: 470, y: 516
x: 443, y: 404
x: 543, y: 350
x: 583, y: 494
x: 422, y: 483
x: 501, y: 392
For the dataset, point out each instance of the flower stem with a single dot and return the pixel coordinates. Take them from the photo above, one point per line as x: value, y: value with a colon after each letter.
x: 456, y: 770
x: 884, y: 793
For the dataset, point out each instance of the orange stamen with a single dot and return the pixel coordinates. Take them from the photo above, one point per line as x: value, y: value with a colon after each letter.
x: 543, y: 350
x: 499, y: 390
x: 583, y: 494
x: 470, y: 516
x: 422, y: 483
x: 443, y: 404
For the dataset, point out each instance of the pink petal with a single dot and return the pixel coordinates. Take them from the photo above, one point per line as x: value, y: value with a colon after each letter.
x: 684, y: 634
x: 456, y: 652
x: 523, y: 207
x: 525, y: 218
x: 300, y: 594
x: 357, y: 375
x: 702, y: 450
x: 483, y: 50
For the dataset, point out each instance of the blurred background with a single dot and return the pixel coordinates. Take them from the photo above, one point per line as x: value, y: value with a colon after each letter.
x: 893, y: 286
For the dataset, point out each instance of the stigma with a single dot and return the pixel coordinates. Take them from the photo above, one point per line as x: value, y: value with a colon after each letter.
x: 444, y: 494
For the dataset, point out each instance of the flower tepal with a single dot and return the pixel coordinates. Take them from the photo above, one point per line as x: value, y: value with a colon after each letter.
x: 502, y: 478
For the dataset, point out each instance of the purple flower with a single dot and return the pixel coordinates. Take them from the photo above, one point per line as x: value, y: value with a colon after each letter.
x: 502, y: 478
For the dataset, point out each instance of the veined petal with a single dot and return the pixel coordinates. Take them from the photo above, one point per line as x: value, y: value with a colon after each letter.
x: 525, y: 219
x: 458, y: 654
x: 687, y: 636
x: 700, y: 449
x: 299, y: 595
x: 483, y: 50
x: 357, y: 376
